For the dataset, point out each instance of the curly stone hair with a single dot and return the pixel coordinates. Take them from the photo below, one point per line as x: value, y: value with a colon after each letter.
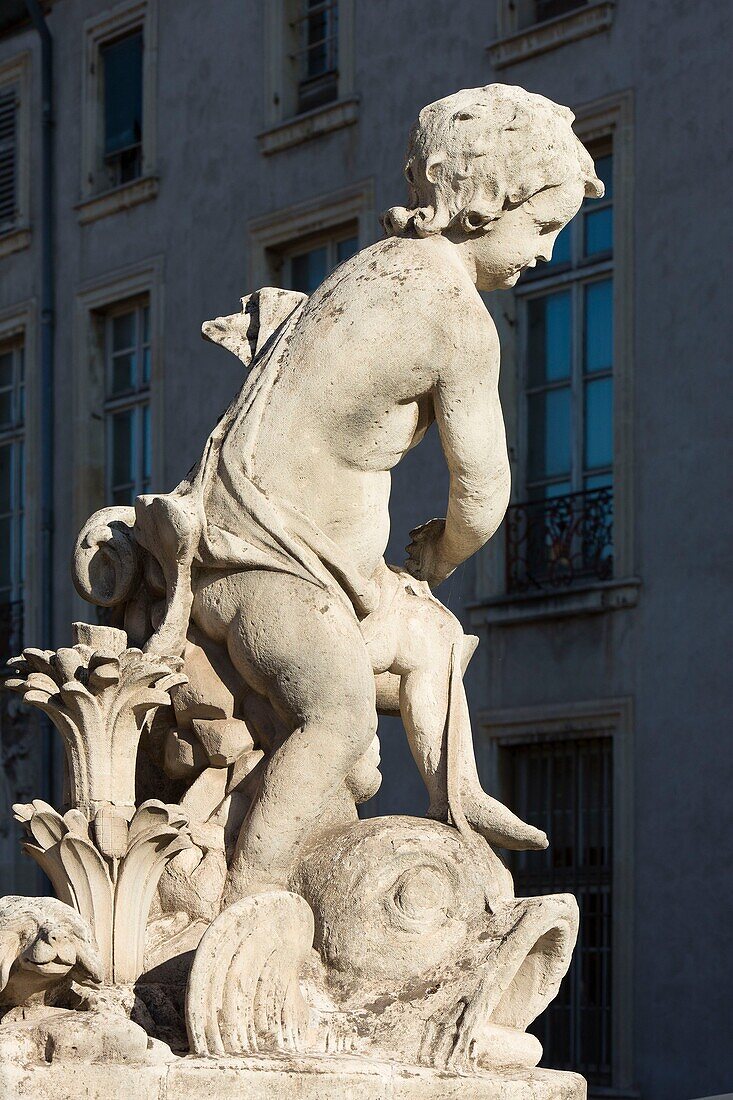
x: 481, y: 151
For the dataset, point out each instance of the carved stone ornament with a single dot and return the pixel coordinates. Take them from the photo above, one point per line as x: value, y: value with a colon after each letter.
x: 225, y: 923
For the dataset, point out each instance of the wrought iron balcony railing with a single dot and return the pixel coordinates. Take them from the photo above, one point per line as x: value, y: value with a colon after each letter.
x: 553, y: 543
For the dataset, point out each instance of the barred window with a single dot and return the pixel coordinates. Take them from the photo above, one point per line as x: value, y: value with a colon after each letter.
x: 565, y: 788
x: 127, y: 405
x: 8, y: 156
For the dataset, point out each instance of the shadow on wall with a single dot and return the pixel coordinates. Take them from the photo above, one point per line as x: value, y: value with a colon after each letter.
x: 402, y: 790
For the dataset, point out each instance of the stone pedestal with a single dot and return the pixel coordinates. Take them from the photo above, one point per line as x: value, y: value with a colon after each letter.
x: 279, y: 1078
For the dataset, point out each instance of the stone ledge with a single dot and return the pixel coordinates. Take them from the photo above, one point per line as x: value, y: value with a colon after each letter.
x: 556, y: 32
x: 580, y: 600
x: 321, y: 120
x: 279, y: 1078
x: 15, y: 239
x: 118, y: 198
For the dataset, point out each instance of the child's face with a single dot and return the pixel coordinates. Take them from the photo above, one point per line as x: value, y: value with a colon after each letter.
x: 524, y: 235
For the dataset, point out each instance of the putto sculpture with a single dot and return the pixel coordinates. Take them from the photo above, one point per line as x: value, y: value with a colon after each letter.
x: 257, y: 634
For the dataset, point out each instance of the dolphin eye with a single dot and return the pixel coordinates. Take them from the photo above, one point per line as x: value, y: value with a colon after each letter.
x: 420, y: 899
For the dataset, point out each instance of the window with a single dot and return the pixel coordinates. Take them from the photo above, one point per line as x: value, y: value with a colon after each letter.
x: 12, y: 498
x: 527, y: 28
x: 305, y: 268
x: 563, y: 530
x: 309, y: 70
x: 551, y: 9
x: 127, y: 403
x: 8, y: 157
x: 14, y: 153
x: 119, y: 110
x: 316, y: 56
x: 524, y: 14
x: 564, y: 786
x: 297, y: 246
x: 122, y: 94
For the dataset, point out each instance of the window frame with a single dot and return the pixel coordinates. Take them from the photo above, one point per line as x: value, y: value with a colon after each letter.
x: 517, y: 41
x: 137, y: 146
x: 286, y: 123
x: 101, y: 31
x: 606, y: 120
x: 13, y: 435
x: 542, y: 282
x: 274, y: 234
x: 281, y: 258
x: 89, y: 455
x: 582, y: 880
x: 329, y: 78
x: 613, y: 717
x: 18, y: 325
x: 15, y: 74
x: 135, y: 400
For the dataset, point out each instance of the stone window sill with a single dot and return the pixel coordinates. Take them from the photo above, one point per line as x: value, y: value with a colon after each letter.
x: 118, y: 198
x: 591, y: 599
x: 593, y: 19
x: 14, y: 239
x: 311, y: 124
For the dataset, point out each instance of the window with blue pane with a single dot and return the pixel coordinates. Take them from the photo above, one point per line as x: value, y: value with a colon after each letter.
x: 122, y: 83
x: 563, y: 529
x: 127, y: 342
x: 306, y: 264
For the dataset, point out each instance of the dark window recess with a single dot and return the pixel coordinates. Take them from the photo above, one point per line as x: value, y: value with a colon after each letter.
x: 122, y: 68
x: 11, y: 632
x: 8, y: 157
x: 550, y: 9
x: 565, y: 788
x: 317, y: 54
x: 12, y: 501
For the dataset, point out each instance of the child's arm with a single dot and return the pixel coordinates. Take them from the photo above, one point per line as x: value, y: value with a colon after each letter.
x: 471, y: 426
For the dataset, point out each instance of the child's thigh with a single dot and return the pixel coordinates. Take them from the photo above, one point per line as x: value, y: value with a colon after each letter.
x: 412, y: 631
x: 301, y: 646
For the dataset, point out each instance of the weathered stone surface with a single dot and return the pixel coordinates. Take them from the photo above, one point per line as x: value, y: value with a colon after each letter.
x: 43, y: 944
x: 280, y: 1078
x: 321, y: 955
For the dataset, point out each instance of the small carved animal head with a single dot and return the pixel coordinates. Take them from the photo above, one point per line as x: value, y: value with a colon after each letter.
x: 43, y: 942
x: 396, y: 898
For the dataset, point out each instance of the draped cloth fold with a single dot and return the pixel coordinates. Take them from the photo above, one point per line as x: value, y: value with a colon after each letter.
x: 219, y: 518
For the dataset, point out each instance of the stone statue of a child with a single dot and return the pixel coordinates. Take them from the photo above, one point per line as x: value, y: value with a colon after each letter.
x: 274, y: 545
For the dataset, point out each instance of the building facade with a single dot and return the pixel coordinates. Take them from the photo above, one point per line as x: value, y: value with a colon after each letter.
x: 204, y: 150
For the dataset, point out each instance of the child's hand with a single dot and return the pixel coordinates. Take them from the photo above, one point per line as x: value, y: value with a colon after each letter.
x: 425, y: 560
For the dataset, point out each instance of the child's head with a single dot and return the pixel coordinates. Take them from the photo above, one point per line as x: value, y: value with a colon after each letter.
x: 477, y: 156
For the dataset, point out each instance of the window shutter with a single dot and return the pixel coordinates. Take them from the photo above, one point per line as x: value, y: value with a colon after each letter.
x: 8, y: 155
